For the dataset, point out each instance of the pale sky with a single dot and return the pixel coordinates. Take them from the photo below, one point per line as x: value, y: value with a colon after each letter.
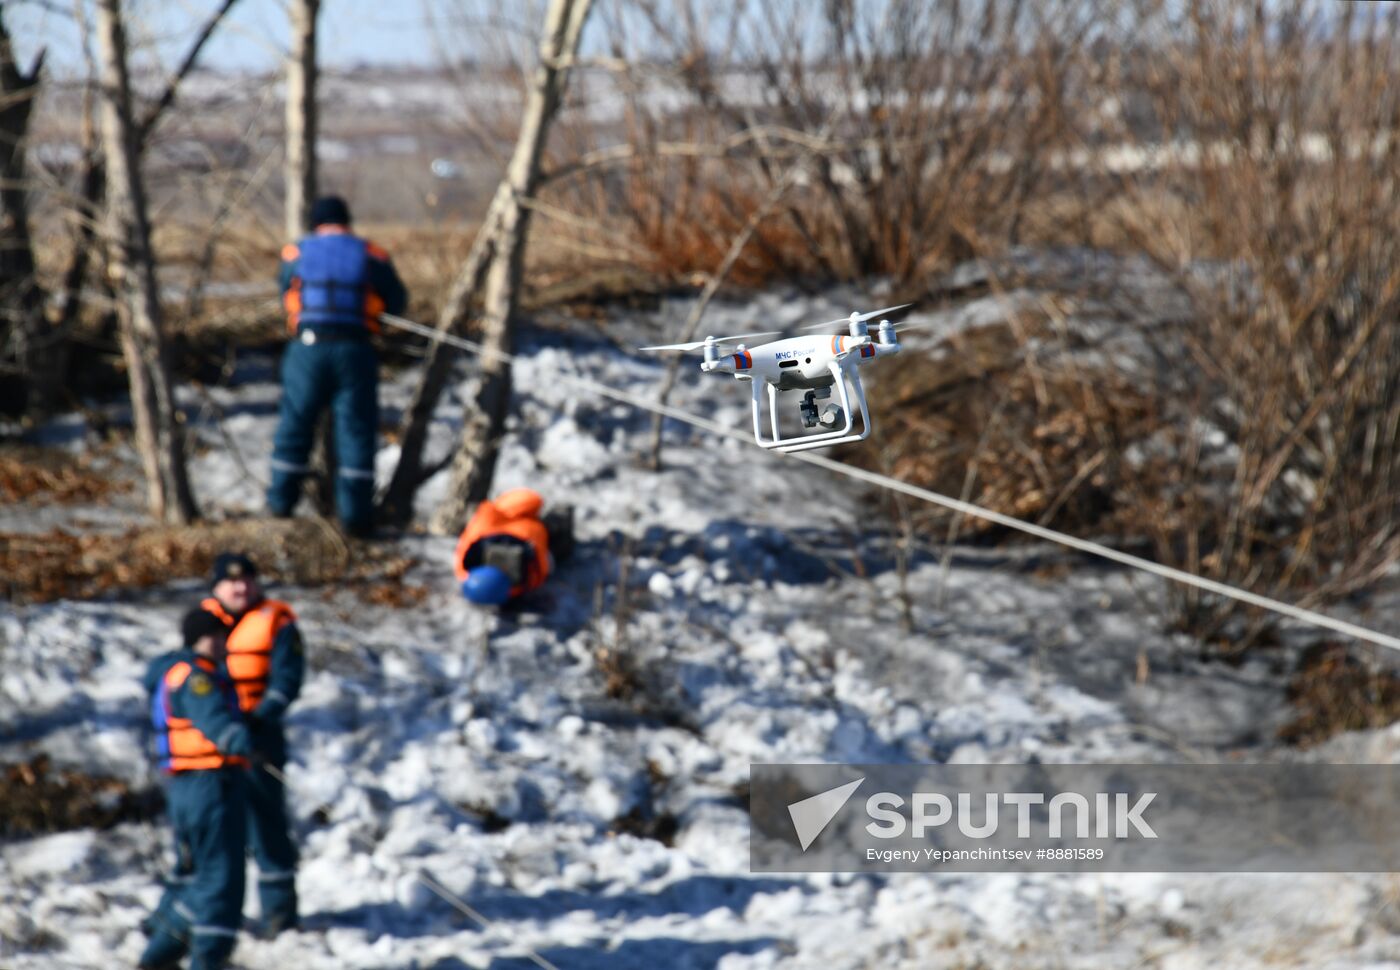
x: 350, y: 31
x: 380, y: 32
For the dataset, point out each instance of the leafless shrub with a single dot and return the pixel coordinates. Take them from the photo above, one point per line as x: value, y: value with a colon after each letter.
x: 1291, y: 256
x: 1041, y: 442
x: 1250, y: 153
x: 929, y: 124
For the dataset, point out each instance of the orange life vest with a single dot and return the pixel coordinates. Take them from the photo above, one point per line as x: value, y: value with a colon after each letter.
x: 514, y: 513
x: 181, y: 745
x: 250, y: 641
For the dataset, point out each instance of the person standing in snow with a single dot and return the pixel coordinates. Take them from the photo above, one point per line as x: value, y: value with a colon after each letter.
x: 265, y: 661
x: 505, y: 550
x: 203, y: 746
x: 334, y: 287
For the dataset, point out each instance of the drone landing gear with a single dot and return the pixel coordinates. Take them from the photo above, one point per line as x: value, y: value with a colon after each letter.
x: 839, y: 419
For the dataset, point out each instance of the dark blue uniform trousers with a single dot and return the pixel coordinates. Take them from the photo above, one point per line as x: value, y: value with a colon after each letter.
x: 345, y: 375
x: 202, y: 908
x: 269, y: 832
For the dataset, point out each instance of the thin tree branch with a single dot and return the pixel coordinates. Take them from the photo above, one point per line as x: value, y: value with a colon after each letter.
x: 172, y: 87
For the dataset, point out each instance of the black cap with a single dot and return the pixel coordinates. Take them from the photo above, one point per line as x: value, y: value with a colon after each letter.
x: 232, y: 565
x: 198, y: 624
x: 329, y: 210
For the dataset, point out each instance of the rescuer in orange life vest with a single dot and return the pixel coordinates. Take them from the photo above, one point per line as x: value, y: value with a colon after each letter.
x: 265, y: 661
x: 203, y: 746
x: 505, y: 550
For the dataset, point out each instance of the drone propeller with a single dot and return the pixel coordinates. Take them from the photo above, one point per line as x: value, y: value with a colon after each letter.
x: 858, y: 317
x: 914, y: 325
x: 698, y: 344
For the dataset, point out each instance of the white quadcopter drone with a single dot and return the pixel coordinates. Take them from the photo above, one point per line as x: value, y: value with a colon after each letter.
x: 813, y: 364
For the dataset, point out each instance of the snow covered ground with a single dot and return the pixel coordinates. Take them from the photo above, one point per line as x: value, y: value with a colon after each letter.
x: 760, y: 621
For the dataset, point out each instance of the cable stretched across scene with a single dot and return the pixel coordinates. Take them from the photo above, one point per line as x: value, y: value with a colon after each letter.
x: 1301, y: 614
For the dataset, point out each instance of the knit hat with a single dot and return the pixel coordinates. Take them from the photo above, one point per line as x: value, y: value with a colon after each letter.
x: 232, y: 565
x: 199, y: 624
x: 329, y: 210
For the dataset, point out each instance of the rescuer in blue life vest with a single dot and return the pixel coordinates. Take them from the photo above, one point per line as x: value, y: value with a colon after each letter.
x: 334, y: 286
x: 203, y: 746
x: 263, y: 656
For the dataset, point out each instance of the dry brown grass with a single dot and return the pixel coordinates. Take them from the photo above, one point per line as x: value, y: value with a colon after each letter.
x: 383, y: 585
x: 565, y: 267
x: 1039, y: 443
x: 692, y: 234
x: 1334, y: 690
x: 57, y: 564
x: 44, y: 475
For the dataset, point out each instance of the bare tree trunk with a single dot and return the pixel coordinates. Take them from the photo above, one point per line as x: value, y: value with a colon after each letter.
x: 396, y: 507
x: 300, y: 172
x: 474, y: 462
x: 23, y: 330
x: 86, y: 211
x: 299, y: 176
x: 94, y: 181
x: 159, y: 426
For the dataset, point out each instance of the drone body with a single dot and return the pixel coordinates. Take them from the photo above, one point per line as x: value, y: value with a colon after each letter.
x: 816, y: 364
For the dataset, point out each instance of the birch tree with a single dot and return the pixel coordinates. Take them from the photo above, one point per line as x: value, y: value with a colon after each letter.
x: 93, y: 182
x: 495, y: 263
x: 396, y: 506
x: 474, y: 462
x: 160, y: 438
x: 300, y: 171
x: 299, y: 177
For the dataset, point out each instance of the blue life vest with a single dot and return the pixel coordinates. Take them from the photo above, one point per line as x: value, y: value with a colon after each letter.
x: 333, y: 279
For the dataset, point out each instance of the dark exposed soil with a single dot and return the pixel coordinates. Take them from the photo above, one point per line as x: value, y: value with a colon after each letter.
x: 36, y: 799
